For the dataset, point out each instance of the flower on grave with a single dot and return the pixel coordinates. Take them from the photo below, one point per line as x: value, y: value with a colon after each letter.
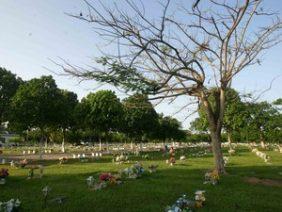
x: 4, y: 173
x: 46, y: 191
x: 105, y: 176
x: 184, y: 204
x: 23, y: 163
x: 199, y: 198
x: 10, y: 206
x: 90, y: 181
x: 100, y: 185
x: 183, y: 157
x: 153, y: 168
x: 212, y: 177
x: 63, y: 160
x: 138, y: 169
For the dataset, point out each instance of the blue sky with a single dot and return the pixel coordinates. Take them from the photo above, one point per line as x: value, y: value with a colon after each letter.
x: 35, y: 31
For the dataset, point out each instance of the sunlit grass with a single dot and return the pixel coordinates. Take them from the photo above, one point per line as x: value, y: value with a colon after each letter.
x: 152, y: 192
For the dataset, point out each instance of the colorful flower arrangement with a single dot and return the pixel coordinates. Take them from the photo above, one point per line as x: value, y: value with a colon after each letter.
x: 132, y: 172
x: 184, y: 204
x: 4, y: 173
x: 10, y: 206
x: 105, y: 179
x: 212, y: 177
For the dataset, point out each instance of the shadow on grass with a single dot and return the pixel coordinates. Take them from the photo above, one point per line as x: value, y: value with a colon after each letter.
x: 152, y: 192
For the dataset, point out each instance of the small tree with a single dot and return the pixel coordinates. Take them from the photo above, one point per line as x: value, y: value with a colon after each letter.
x: 187, y: 50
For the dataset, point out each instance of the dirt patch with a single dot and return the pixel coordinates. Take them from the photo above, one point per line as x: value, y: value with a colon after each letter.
x: 265, y: 182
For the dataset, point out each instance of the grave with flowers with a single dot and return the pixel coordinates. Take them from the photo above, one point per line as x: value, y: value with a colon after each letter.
x: 186, y: 204
x: 4, y: 173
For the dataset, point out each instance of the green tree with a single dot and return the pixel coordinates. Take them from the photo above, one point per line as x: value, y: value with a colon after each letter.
x: 35, y: 105
x: 141, y: 119
x: 9, y: 84
x: 263, y: 119
x: 169, y: 128
x: 166, y: 56
x: 105, y: 112
x: 234, y: 115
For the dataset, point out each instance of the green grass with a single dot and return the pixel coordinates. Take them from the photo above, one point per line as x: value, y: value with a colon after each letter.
x: 152, y: 192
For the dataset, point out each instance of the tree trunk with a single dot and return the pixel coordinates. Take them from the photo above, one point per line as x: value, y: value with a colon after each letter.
x: 215, y: 119
x: 63, y: 142
x: 262, y: 143
x: 41, y: 144
x: 218, y: 156
x: 46, y: 142
x: 141, y: 146
x: 107, y: 143
x: 100, y: 144
x: 229, y: 139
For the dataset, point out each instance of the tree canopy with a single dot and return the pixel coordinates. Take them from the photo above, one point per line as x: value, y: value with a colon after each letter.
x: 139, y: 115
x: 9, y: 84
x: 35, y: 104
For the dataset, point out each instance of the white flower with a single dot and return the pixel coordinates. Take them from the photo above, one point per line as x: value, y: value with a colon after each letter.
x: 200, y: 192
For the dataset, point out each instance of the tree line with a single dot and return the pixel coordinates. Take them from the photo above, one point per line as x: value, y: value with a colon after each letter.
x: 39, y: 110
x: 245, y: 121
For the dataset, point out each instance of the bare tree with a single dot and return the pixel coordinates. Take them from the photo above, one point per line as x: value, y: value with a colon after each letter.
x: 188, y: 49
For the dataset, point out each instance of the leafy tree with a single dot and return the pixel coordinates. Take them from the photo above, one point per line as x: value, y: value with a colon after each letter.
x: 262, y: 120
x: 234, y: 115
x: 278, y: 102
x: 105, y: 112
x: 9, y: 84
x: 181, y: 52
x: 35, y: 105
x: 169, y: 128
x: 141, y: 119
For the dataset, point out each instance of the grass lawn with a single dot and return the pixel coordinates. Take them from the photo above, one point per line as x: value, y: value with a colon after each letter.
x: 152, y: 192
